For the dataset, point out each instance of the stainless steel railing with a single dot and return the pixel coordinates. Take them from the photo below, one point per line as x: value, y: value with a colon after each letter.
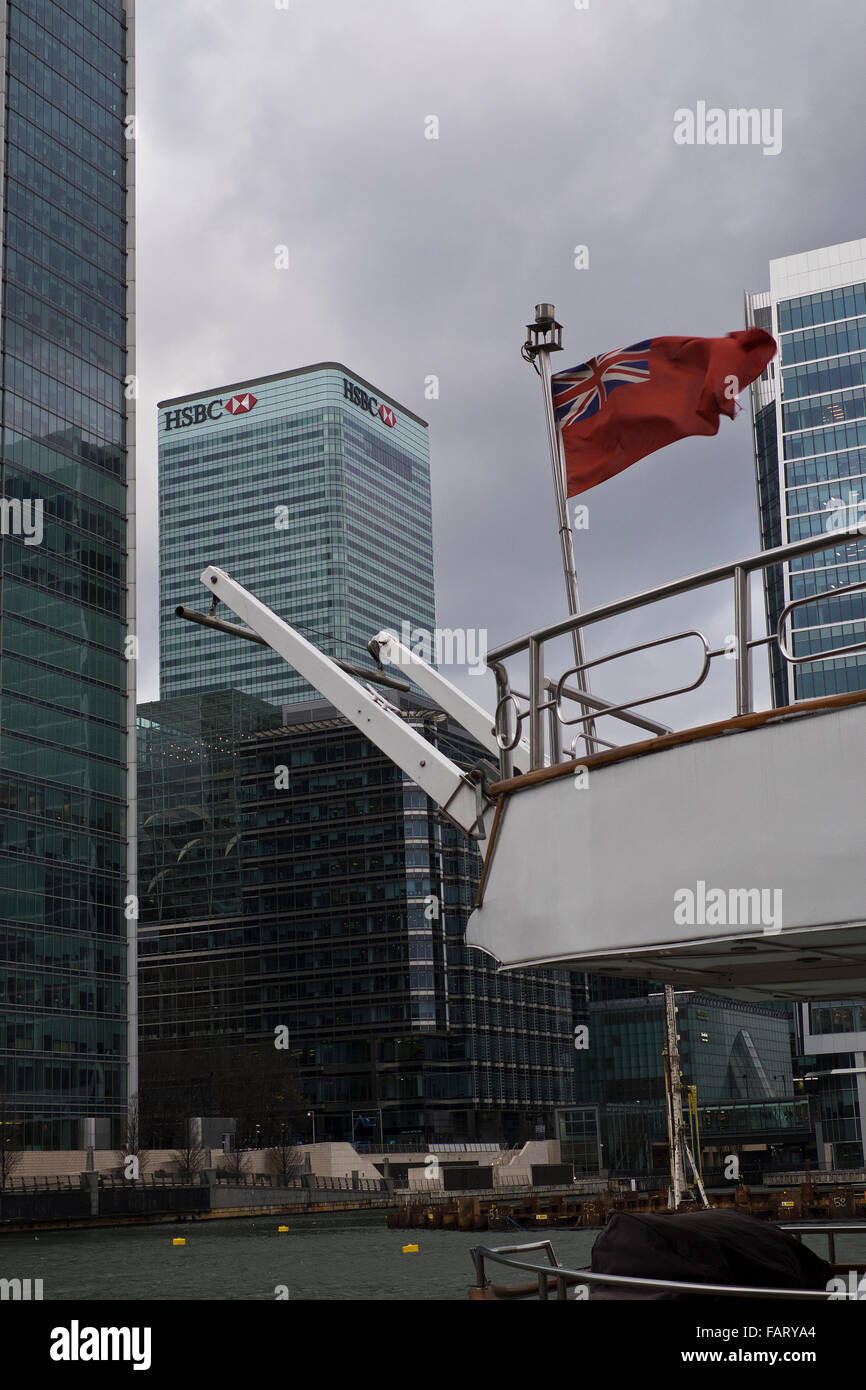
x: 545, y: 696
x: 830, y: 1229
x: 564, y: 1278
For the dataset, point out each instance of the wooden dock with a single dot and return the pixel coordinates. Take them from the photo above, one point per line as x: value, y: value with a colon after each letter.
x: 563, y: 1211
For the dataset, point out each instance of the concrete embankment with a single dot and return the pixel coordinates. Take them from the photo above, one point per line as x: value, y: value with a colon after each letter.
x: 56, y: 1223
x: 88, y: 1188
x: 94, y: 1199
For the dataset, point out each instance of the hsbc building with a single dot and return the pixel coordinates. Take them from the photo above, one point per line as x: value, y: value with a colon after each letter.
x: 199, y: 413
x: 358, y: 396
x: 312, y: 487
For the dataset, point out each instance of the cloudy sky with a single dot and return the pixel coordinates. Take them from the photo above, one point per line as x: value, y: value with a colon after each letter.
x: 263, y: 125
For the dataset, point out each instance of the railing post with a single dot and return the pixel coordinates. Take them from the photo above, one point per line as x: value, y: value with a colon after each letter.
x: 506, y: 757
x: 743, y: 634
x: 536, y: 697
x: 552, y: 724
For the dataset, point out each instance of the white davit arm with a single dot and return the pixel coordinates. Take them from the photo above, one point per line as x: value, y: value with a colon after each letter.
x: 434, y: 773
x: 474, y: 718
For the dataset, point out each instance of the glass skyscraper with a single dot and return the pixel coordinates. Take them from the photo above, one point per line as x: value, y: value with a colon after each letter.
x: 833, y: 1053
x: 809, y: 412
x: 67, y: 690
x: 311, y: 488
x: 306, y: 902
x: 331, y: 900
x: 737, y: 1054
x: 810, y: 441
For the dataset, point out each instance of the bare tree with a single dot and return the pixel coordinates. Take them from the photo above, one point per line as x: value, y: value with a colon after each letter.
x: 11, y: 1142
x: 134, y: 1148
x: 189, y: 1158
x: 235, y: 1163
x: 285, y: 1160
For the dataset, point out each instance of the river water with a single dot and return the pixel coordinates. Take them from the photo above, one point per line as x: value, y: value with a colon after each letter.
x: 332, y: 1256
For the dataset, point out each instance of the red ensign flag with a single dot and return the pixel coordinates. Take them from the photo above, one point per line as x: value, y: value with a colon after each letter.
x: 617, y: 408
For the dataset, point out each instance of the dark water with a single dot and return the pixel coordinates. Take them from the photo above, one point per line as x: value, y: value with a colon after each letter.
x: 348, y: 1255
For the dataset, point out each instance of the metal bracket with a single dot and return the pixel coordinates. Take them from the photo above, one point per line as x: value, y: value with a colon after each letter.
x: 478, y: 780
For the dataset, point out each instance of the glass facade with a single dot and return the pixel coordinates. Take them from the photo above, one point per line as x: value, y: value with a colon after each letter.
x: 843, y: 1016
x: 832, y: 1066
x: 771, y: 1119
x: 292, y: 875
x: 189, y: 789
x: 809, y: 412
x: 66, y: 598
x: 738, y: 1056
x: 729, y: 1050
x: 578, y: 1133
x: 312, y: 499
x: 839, y: 1107
x: 810, y: 443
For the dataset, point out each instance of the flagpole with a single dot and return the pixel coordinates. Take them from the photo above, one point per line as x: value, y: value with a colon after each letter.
x: 674, y: 1088
x: 544, y: 336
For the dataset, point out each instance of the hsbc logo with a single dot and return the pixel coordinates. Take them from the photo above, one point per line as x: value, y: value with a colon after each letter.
x: 197, y: 414
x: 360, y: 398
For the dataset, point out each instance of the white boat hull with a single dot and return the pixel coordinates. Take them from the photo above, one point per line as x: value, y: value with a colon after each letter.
x: 599, y: 877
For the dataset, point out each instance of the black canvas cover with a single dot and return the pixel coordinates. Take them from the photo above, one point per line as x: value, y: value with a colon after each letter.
x: 703, y: 1247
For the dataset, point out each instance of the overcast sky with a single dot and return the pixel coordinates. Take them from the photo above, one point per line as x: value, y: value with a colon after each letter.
x: 262, y: 126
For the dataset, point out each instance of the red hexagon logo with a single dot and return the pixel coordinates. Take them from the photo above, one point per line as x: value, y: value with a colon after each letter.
x: 239, y: 405
x: 387, y: 416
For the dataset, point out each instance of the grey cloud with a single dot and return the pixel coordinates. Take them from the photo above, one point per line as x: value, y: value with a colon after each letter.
x: 409, y: 257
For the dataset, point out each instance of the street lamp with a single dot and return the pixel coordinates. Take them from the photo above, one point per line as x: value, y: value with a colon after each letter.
x: 311, y: 1114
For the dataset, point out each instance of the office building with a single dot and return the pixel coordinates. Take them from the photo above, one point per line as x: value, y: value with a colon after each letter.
x: 67, y: 851
x: 312, y: 488
x: 736, y: 1054
x: 809, y: 413
x: 293, y: 877
x: 832, y: 1063
x: 809, y: 410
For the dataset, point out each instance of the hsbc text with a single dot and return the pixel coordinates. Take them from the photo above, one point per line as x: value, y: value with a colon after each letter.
x: 360, y: 398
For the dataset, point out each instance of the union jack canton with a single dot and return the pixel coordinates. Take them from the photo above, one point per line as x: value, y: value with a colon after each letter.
x: 582, y: 391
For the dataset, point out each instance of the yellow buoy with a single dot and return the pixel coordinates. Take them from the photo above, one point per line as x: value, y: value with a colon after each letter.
x: 410, y: 1249
x: 282, y: 1228
x: 179, y: 1240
